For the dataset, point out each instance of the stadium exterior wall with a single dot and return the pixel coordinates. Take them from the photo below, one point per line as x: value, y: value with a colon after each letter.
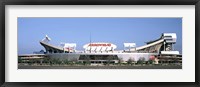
x: 124, y: 56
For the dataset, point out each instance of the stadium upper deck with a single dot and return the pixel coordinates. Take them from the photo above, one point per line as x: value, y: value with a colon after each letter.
x: 164, y: 43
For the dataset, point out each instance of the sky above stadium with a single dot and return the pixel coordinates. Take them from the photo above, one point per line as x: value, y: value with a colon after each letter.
x: 78, y: 30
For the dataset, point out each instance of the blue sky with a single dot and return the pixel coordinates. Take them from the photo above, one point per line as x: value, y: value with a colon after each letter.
x: 77, y: 30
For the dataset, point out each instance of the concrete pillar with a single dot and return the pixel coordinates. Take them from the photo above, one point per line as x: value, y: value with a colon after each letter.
x: 164, y: 46
x: 41, y: 61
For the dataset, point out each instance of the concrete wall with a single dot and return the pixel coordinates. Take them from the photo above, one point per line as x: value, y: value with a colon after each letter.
x: 124, y: 56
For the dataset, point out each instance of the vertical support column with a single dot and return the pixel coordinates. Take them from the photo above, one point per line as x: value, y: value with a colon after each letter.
x: 41, y: 61
x: 112, y: 50
x: 52, y: 50
x: 47, y: 51
x: 164, y: 45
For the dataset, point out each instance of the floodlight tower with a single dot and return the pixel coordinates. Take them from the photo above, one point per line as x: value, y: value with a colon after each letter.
x: 46, y: 39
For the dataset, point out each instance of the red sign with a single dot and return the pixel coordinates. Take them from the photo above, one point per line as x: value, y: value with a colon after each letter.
x: 67, y: 48
x: 99, y: 44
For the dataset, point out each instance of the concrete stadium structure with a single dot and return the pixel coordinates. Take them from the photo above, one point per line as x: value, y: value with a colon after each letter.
x: 101, y: 52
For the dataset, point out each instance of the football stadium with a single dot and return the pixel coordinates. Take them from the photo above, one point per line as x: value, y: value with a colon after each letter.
x: 159, y: 51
